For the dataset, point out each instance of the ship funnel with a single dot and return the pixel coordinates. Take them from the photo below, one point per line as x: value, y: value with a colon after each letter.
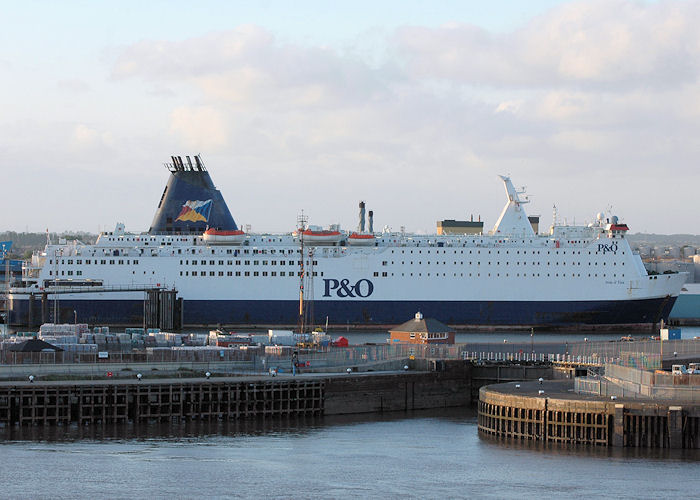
x: 190, y: 202
x: 371, y: 221
x: 361, y: 225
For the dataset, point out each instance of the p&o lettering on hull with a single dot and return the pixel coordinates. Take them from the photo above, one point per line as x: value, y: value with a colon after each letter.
x: 602, y: 247
x: 343, y: 289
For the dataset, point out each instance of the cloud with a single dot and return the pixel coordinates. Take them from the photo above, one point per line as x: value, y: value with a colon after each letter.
x: 201, y: 128
x: 603, y: 43
x: 509, y: 106
x: 86, y: 138
x: 73, y: 85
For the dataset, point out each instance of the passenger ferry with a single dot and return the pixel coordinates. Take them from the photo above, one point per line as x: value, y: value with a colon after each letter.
x: 571, y: 276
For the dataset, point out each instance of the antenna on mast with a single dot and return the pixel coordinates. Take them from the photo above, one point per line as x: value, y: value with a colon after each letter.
x: 555, y: 215
x: 301, y: 227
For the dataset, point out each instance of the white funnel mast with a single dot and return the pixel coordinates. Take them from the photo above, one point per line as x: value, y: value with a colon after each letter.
x: 513, y: 219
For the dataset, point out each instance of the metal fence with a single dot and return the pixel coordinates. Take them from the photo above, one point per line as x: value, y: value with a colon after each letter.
x: 645, y: 354
x: 638, y: 354
x: 629, y: 382
x: 328, y: 356
x: 263, y: 359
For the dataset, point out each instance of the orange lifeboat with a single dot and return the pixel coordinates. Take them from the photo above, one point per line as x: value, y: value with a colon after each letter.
x: 322, y: 236
x: 218, y: 237
x: 361, y: 239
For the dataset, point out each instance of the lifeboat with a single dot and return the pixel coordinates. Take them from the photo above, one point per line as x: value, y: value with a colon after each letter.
x: 361, y: 239
x: 327, y: 236
x: 219, y: 237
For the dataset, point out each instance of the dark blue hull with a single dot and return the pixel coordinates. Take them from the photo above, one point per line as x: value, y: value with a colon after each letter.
x: 506, y: 313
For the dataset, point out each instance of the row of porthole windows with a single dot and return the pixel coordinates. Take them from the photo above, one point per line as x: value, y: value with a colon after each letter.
x: 245, y: 262
x: 507, y: 275
x: 243, y: 273
x: 517, y: 263
x: 80, y: 273
x: 517, y: 252
x: 245, y: 251
x: 69, y: 262
x: 230, y: 251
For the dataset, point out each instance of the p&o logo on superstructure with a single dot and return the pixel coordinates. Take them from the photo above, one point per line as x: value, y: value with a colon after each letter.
x: 343, y: 289
x: 612, y: 247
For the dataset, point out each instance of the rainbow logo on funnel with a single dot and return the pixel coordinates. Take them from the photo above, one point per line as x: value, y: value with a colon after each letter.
x: 195, y: 211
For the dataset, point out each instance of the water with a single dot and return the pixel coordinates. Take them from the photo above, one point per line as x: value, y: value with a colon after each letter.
x: 417, y: 455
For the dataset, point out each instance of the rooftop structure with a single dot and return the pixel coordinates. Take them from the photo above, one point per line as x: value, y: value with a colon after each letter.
x: 420, y: 330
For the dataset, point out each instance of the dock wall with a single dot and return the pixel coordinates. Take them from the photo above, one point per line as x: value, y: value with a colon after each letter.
x: 227, y: 398
x: 427, y: 384
x: 107, y: 403
x: 409, y: 391
x: 561, y: 417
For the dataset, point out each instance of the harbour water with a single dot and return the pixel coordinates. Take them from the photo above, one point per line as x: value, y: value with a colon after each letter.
x: 424, y: 454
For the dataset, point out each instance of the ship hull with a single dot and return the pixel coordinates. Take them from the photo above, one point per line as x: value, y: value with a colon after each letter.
x: 284, y: 312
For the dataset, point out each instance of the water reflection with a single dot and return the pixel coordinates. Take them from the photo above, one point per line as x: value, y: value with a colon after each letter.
x: 196, y: 430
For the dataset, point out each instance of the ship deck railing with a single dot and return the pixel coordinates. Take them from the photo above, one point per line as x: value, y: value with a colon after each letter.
x: 58, y: 290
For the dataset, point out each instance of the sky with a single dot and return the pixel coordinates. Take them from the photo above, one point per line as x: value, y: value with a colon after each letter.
x: 414, y: 107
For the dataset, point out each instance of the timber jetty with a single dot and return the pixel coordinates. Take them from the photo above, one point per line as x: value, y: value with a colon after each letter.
x: 425, y: 384
x: 627, y: 402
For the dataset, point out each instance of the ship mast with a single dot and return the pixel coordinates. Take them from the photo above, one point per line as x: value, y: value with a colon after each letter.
x: 7, y: 290
x: 309, y: 291
x: 301, y: 224
x: 56, y: 310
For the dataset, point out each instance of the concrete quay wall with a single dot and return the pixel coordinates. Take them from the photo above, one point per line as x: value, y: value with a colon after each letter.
x: 227, y: 398
x: 427, y: 384
x: 402, y: 391
x: 99, y: 370
x: 560, y: 416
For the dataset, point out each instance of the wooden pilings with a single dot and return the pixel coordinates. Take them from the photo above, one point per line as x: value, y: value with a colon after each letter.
x: 113, y: 402
x: 504, y: 411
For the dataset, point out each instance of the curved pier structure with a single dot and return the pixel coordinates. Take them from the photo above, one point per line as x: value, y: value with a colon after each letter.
x: 558, y: 415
